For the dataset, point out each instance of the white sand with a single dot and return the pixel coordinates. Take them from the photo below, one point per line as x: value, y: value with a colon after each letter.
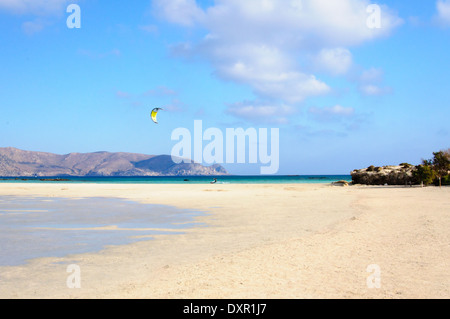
x: 260, y: 241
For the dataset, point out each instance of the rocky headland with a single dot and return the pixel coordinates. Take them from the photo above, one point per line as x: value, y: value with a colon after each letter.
x: 19, y: 163
x: 402, y: 174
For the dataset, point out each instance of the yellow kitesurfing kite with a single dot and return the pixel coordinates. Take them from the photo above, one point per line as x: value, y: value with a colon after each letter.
x: 155, y: 113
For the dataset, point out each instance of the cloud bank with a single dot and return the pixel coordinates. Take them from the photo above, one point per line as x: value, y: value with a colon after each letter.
x: 41, y: 12
x: 35, y: 7
x: 276, y: 47
x: 443, y: 12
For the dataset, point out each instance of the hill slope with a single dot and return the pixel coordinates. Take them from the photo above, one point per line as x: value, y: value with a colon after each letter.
x: 15, y: 162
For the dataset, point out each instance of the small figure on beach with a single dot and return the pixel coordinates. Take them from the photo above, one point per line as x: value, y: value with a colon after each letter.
x: 214, y: 181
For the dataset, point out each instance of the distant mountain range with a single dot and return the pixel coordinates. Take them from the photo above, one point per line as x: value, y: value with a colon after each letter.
x: 19, y: 163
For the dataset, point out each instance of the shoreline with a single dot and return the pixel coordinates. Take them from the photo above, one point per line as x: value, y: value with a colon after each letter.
x: 182, y: 180
x: 283, y: 241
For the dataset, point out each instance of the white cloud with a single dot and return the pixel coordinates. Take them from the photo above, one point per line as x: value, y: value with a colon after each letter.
x: 35, y: 7
x: 342, y: 22
x: 334, y: 61
x: 372, y: 75
x: 443, y: 8
x: 261, y: 112
x: 266, y: 44
x: 371, y: 83
x: 374, y: 90
x: 267, y: 69
x: 42, y: 10
x: 182, y: 12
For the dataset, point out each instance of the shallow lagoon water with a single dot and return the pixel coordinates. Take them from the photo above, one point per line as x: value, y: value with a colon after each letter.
x: 229, y: 179
x: 41, y: 227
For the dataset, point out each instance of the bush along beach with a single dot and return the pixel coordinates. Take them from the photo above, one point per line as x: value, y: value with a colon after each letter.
x: 435, y: 171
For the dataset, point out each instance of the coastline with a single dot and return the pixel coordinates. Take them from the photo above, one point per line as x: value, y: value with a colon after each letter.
x: 284, y: 241
x: 222, y: 179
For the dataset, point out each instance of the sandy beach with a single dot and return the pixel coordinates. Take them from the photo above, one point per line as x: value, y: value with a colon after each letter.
x: 257, y: 241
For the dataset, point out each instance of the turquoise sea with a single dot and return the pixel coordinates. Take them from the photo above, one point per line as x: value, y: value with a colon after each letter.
x: 232, y: 179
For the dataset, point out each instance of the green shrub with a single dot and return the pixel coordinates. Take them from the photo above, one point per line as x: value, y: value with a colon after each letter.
x: 425, y: 174
x: 441, y: 165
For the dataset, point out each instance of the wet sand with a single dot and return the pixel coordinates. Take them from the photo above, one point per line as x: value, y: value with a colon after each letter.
x: 258, y: 241
x: 32, y: 227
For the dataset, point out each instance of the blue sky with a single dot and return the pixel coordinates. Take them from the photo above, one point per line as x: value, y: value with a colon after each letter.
x: 343, y: 95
